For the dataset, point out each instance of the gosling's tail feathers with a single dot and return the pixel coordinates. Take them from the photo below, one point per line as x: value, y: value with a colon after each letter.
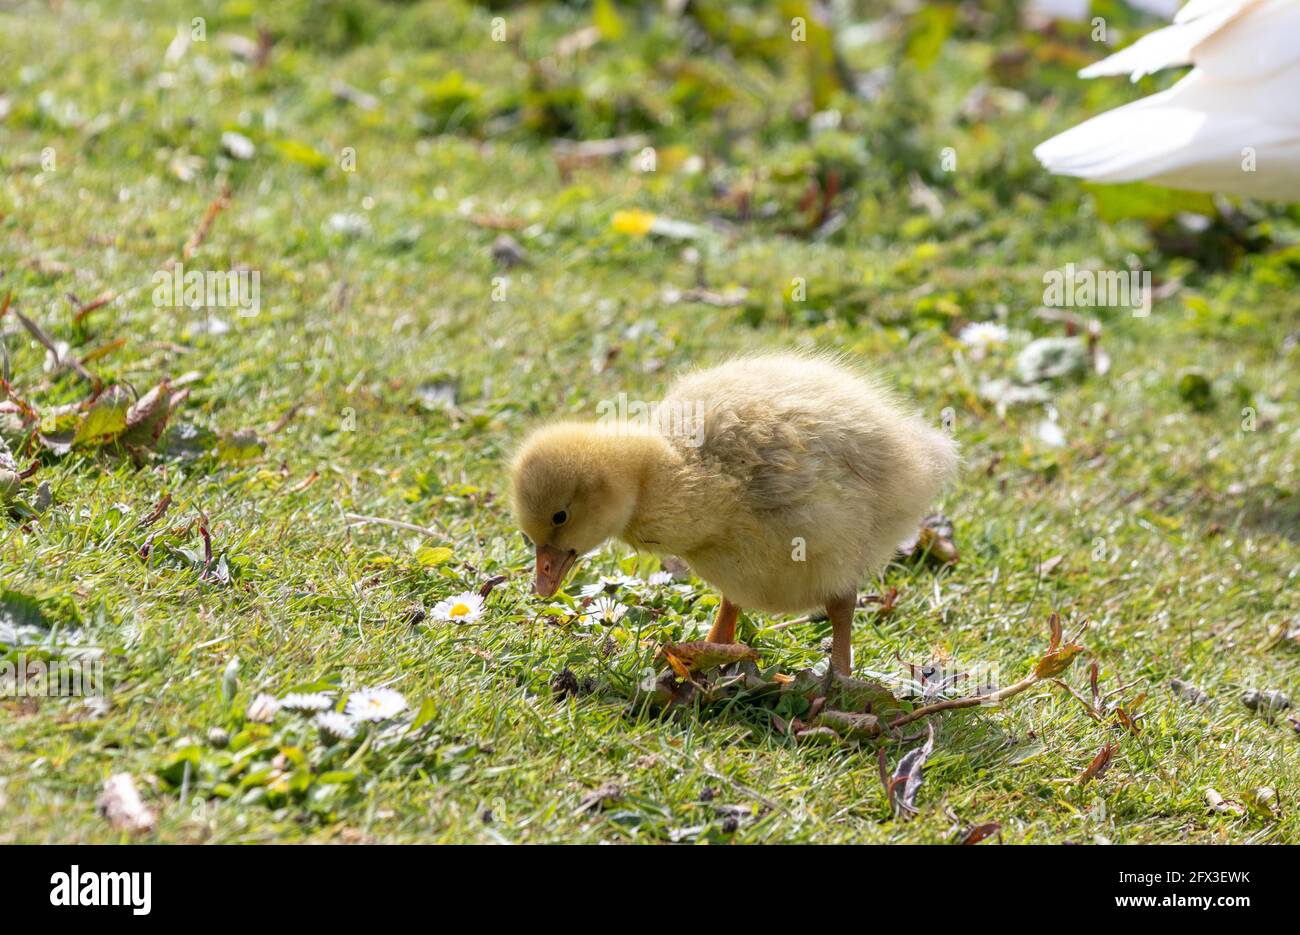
x: 941, y: 458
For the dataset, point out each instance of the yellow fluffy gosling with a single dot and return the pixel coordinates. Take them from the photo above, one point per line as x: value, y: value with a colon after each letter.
x: 783, y: 480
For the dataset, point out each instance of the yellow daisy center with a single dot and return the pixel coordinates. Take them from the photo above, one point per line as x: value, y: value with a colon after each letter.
x: 460, y: 610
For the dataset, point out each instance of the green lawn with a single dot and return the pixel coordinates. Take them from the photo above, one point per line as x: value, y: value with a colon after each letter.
x: 394, y: 362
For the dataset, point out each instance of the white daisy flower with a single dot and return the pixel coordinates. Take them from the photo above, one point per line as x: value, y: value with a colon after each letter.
x: 607, y: 610
x: 983, y: 335
x: 306, y: 701
x: 336, y: 724
x: 607, y: 583
x: 375, y: 704
x: 263, y: 709
x: 460, y: 608
x: 659, y: 579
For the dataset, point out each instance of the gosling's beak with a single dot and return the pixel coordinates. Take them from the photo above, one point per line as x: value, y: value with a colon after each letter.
x: 552, y: 565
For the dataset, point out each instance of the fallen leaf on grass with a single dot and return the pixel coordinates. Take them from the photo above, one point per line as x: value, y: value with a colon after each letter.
x: 978, y: 833
x: 9, y: 479
x: 1262, y: 801
x: 1128, y: 715
x: 147, y: 417
x: 903, y: 786
x: 85, y: 308
x: 701, y: 656
x: 606, y: 795
x: 121, y: 804
x: 1049, y: 566
x: 1058, y: 657
x: 888, y: 602
x: 823, y: 735
x: 1222, y: 806
x: 1100, y: 763
x: 58, y: 354
x: 240, y: 445
x: 849, y: 724
x: 157, y: 512
x: 105, y: 418
x: 306, y: 482
x: 933, y: 541
x: 1189, y: 692
x: 200, y: 234
x: 1266, y: 703
x: 844, y: 693
x: 187, y: 442
x: 433, y: 556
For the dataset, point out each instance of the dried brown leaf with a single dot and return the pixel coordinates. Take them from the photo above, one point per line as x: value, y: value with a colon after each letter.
x: 1100, y: 763
x: 978, y: 833
x: 701, y: 656
x: 908, y: 775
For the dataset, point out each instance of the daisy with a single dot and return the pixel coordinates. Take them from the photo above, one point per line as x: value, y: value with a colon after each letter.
x: 607, y: 610
x: 311, y: 701
x: 659, y: 579
x: 375, y: 704
x: 460, y: 608
x: 336, y: 725
x: 983, y: 335
x: 609, y: 583
x: 263, y: 709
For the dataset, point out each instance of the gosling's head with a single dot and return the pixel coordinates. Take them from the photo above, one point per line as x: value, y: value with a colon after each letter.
x: 571, y: 492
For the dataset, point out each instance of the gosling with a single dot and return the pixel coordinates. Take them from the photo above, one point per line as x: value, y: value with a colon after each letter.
x: 782, y: 480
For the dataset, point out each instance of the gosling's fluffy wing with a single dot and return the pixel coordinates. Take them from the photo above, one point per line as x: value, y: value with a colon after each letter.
x: 776, y: 462
x: 792, y: 428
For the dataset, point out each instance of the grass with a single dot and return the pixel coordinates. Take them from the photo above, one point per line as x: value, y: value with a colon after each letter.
x: 380, y: 297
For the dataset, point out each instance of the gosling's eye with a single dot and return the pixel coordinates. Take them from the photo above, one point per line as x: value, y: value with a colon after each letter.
x: 560, y: 518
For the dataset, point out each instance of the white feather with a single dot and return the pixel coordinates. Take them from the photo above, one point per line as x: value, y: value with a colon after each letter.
x: 1171, y: 46
x: 1232, y: 124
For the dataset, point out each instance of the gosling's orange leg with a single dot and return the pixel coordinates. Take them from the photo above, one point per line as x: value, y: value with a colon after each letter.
x: 724, y: 628
x: 840, y: 612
